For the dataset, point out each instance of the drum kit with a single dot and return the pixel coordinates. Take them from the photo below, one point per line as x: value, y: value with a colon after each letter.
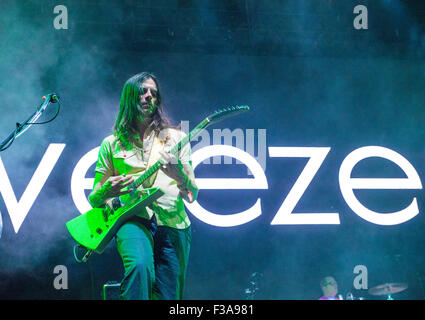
x: 386, y: 289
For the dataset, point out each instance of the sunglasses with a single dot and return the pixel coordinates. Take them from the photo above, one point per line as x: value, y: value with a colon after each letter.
x: 328, y: 283
x: 154, y: 92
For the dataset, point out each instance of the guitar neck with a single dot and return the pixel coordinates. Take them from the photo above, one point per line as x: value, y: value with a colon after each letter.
x: 155, y: 167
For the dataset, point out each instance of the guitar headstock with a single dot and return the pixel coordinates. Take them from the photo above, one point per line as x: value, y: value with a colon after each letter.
x: 220, y: 114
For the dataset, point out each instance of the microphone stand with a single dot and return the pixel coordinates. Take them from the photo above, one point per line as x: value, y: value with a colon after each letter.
x: 21, y: 128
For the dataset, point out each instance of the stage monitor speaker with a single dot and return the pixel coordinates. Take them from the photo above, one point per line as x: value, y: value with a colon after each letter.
x: 111, y: 290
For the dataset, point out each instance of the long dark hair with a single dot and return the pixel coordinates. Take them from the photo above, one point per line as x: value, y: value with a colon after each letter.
x: 126, y: 122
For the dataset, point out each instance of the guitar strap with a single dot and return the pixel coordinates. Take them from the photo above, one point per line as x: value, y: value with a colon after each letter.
x: 154, y: 156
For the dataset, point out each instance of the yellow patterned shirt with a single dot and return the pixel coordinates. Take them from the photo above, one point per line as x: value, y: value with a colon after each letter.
x: 115, y: 160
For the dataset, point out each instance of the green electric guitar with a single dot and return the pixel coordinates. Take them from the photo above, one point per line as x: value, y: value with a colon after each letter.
x: 96, y: 228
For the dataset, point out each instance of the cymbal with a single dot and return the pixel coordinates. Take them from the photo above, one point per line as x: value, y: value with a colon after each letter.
x: 387, y: 288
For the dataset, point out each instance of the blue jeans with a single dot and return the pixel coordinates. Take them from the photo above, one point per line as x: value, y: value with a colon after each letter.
x: 155, y: 260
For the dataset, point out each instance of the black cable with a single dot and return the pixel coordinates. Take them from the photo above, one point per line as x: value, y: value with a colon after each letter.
x: 50, y: 120
x: 19, y: 126
x: 75, y: 254
x: 91, y: 275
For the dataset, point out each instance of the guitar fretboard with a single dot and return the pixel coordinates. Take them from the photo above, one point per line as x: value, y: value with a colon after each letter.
x: 155, y: 167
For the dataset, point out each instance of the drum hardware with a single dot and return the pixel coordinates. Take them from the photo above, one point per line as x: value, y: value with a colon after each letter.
x: 388, y: 289
x: 253, y: 287
x: 350, y: 296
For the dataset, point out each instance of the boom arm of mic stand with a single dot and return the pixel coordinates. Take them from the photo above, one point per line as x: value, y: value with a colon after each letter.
x: 21, y: 128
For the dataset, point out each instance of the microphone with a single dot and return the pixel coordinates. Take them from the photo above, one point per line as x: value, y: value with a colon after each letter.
x: 53, y: 97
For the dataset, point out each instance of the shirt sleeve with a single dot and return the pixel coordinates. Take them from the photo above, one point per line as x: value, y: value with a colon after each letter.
x: 104, y: 163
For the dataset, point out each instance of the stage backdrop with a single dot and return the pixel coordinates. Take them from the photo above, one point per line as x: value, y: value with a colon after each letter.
x: 331, y: 101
